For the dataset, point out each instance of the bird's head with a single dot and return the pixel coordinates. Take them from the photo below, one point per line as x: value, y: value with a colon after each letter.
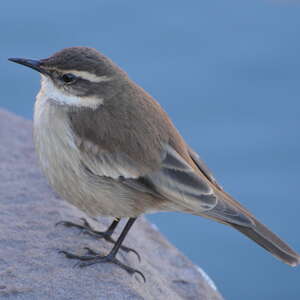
x: 76, y: 76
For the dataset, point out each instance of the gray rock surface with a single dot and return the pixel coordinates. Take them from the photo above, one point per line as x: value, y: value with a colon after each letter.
x: 30, y: 265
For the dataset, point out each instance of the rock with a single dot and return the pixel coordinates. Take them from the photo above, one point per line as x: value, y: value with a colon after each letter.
x: 31, y: 266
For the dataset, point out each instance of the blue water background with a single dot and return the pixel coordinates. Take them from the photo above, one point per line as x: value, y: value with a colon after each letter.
x: 228, y: 74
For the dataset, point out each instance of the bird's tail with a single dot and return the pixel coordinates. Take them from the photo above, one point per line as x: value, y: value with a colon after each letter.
x: 230, y: 212
x: 270, y: 241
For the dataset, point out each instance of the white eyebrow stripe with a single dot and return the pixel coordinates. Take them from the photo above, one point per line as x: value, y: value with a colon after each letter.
x: 88, y: 76
x: 50, y: 91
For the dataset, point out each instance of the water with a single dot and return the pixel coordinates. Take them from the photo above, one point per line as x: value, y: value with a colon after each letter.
x: 228, y: 73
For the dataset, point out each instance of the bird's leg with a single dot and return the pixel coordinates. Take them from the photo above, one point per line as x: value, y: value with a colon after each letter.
x: 107, y: 234
x: 94, y: 258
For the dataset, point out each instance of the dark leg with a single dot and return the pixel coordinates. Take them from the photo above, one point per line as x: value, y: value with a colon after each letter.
x: 93, y: 258
x: 107, y: 235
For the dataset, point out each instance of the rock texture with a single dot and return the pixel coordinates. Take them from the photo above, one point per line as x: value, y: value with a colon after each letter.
x: 31, y: 266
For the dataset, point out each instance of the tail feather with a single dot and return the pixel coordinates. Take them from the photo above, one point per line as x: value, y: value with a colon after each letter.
x: 230, y: 212
x: 270, y: 241
x: 254, y: 230
x: 258, y: 232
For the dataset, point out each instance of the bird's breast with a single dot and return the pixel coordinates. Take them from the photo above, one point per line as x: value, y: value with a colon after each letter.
x: 61, y: 161
x: 55, y: 146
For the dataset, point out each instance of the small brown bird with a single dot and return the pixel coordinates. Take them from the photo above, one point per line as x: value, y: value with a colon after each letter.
x: 107, y: 147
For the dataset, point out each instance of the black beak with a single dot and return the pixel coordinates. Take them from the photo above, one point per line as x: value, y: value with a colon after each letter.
x: 33, y: 64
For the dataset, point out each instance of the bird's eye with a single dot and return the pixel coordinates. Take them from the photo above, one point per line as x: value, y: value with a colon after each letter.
x: 68, y: 78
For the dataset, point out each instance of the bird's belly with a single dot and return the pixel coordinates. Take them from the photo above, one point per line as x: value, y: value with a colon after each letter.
x: 72, y: 183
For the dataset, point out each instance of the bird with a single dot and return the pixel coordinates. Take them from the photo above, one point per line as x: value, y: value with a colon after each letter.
x: 107, y: 147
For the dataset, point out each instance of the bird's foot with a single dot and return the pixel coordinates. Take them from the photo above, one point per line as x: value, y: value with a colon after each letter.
x: 93, y: 258
x: 107, y: 235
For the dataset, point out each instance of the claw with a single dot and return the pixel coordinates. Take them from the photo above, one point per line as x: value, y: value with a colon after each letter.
x: 124, y: 248
x: 128, y: 250
x: 93, y: 258
x: 87, y: 229
x: 69, y: 224
x: 90, y: 251
x: 86, y: 224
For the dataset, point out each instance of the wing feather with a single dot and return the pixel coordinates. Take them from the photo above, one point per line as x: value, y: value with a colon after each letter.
x: 174, y: 180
